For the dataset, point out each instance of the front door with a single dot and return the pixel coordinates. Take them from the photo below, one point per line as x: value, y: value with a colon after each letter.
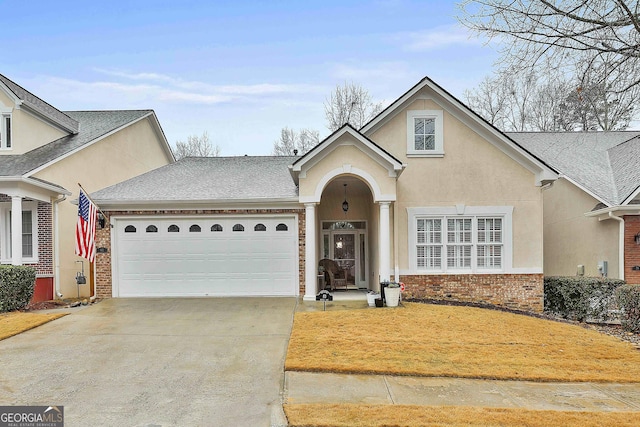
x: 349, y: 249
x: 345, y: 254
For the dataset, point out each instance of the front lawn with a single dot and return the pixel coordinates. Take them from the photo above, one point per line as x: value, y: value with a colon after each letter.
x: 15, y: 322
x: 466, y: 342
x: 449, y: 416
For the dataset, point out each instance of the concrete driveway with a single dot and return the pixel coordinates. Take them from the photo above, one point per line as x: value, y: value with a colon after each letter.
x: 155, y: 362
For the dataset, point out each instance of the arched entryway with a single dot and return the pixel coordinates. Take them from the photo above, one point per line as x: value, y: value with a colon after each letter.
x: 345, y: 223
x: 347, y: 157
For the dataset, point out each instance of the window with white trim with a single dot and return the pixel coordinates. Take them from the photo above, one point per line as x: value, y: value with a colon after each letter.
x: 445, y: 240
x: 5, y: 130
x: 425, y: 133
x: 29, y: 232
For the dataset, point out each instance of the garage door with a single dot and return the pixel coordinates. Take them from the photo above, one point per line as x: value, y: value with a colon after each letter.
x: 212, y: 256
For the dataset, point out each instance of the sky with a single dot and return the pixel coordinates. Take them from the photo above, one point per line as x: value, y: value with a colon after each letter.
x: 239, y: 70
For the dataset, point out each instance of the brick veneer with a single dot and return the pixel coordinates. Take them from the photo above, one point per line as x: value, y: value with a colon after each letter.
x: 631, y: 249
x: 515, y: 291
x: 103, y: 278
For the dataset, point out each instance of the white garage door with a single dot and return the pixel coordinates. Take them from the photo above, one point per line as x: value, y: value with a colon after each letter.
x: 201, y: 256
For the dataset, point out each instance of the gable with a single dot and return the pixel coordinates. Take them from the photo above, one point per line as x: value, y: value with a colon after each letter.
x: 30, y: 132
x: 127, y: 151
x: 390, y: 127
x: 346, y: 152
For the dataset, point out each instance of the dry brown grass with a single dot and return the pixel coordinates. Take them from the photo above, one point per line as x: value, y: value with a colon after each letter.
x: 16, y: 322
x: 434, y: 340
x: 449, y: 416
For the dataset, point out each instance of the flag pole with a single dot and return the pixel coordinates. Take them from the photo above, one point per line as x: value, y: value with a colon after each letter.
x: 92, y: 294
x: 91, y: 200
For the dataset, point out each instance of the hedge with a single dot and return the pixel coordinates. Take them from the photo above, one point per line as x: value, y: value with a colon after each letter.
x: 628, y: 299
x: 17, y: 283
x: 579, y: 298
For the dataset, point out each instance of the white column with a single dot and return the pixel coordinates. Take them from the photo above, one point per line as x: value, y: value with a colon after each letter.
x: 384, y: 244
x: 16, y: 230
x: 310, y: 263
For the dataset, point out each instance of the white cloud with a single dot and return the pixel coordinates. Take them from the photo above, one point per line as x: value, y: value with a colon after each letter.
x: 438, y: 38
x: 207, y: 90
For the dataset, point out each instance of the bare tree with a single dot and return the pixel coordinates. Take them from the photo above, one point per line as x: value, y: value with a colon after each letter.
x: 292, y: 142
x: 549, y: 101
x: 350, y: 103
x: 568, y: 33
x: 196, y: 146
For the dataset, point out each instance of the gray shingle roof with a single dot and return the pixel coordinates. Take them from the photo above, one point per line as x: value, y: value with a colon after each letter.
x: 92, y: 125
x: 605, y: 163
x: 40, y: 106
x: 208, y: 179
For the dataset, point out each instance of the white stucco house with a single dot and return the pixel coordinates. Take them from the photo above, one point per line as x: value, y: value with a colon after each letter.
x: 435, y: 197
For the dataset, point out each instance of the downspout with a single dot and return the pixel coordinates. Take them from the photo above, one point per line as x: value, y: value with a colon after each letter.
x: 56, y: 248
x: 620, y: 244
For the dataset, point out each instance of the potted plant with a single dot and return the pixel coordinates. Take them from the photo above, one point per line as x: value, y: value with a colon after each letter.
x: 392, y: 294
x: 372, y: 296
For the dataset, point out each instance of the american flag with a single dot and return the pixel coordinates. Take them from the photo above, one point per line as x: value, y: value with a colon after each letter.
x: 86, y: 228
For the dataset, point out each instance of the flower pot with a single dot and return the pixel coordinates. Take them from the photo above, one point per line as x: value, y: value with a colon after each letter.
x: 371, y: 299
x: 392, y: 295
x: 378, y: 302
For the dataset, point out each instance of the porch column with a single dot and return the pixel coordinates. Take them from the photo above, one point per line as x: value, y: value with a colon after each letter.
x: 384, y: 241
x: 16, y: 230
x: 310, y: 268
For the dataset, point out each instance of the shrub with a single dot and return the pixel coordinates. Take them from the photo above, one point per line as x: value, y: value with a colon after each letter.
x: 628, y: 299
x: 579, y: 298
x: 16, y: 286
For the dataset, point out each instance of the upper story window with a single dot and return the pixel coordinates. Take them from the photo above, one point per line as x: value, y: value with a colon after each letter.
x: 5, y: 130
x: 425, y: 133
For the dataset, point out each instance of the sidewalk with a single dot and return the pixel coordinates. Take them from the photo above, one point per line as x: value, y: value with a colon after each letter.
x: 305, y: 387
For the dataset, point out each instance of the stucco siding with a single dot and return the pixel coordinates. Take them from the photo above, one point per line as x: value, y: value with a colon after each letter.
x: 571, y: 238
x: 346, y: 155
x: 29, y: 132
x: 472, y: 172
x: 127, y: 153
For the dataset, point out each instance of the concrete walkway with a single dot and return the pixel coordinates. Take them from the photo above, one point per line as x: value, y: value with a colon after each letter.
x: 304, y: 387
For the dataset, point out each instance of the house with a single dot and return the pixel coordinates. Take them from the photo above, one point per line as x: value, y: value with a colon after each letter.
x: 44, y: 154
x: 592, y: 213
x: 426, y: 193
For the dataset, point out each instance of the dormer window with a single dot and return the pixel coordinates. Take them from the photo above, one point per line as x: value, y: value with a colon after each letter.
x: 425, y: 133
x: 5, y: 131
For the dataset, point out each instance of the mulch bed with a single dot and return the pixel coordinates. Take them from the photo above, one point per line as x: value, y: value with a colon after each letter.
x: 48, y: 305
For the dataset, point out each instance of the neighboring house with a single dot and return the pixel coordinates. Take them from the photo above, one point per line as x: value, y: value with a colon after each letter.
x: 435, y: 197
x: 44, y: 154
x: 592, y: 213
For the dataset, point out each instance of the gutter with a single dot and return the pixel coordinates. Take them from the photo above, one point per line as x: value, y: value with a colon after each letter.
x: 56, y: 249
x: 620, y: 242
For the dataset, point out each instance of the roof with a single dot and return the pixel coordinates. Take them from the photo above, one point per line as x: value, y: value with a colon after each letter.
x: 91, y: 125
x: 207, y: 179
x: 348, y: 129
x: 606, y: 164
x: 39, y: 106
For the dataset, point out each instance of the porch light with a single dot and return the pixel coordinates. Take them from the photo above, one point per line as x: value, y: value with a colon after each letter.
x: 345, y: 204
x: 101, y: 220
x: 637, y: 239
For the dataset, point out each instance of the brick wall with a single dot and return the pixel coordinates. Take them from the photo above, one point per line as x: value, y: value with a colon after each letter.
x: 45, y: 240
x: 514, y: 291
x: 103, y: 278
x: 631, y: 249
